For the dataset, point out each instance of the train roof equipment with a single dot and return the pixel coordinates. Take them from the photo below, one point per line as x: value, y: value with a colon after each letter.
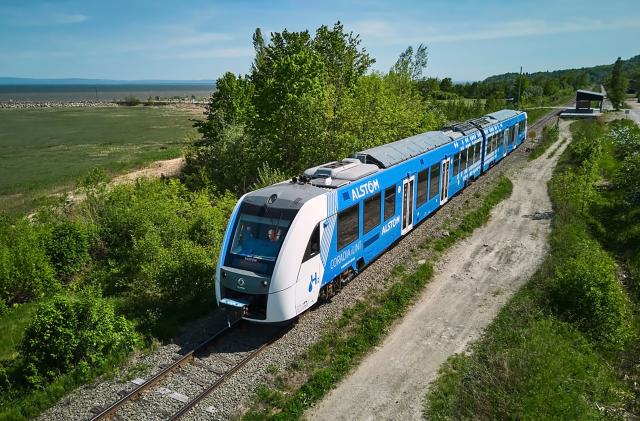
x: 393, y: 153
x: 338, y: 173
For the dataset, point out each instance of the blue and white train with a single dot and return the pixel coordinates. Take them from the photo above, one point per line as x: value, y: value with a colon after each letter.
x: 289, y: 244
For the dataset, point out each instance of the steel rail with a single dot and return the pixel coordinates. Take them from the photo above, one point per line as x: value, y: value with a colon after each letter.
x: 207, y: 391
x: 185, y: 359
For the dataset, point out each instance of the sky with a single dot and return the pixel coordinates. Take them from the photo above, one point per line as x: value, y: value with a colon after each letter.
x: 190, y: 40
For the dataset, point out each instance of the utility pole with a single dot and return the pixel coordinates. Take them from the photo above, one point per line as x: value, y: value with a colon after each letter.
x: 519, y: 83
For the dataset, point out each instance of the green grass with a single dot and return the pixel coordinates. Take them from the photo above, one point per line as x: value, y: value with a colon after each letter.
x: 45, y: 149
x: 358, y: 331
x: 527, y: 366
x: 12, y: 325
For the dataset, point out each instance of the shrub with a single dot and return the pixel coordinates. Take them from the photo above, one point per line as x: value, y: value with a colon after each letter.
x: 68, y: 248
x: 25, y: 270
x: 586, y: 292
x: 160, y: 242
x: 68, y: 333
x: 587, y: 140
x: 131, y: 101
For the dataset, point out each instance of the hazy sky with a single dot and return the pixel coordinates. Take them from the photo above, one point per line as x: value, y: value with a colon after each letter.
x: 161, y: 39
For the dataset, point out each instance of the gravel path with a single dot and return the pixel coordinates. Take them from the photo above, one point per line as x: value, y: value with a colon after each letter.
x: 473, y: 280
x: 234, y: 396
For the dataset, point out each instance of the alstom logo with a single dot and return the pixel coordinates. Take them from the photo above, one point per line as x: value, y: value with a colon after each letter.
x: 365, y: 189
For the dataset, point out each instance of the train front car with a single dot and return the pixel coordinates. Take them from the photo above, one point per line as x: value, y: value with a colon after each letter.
x: 269, y: 263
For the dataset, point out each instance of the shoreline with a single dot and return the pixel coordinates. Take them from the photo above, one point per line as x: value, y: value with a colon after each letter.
x: 80, y: 104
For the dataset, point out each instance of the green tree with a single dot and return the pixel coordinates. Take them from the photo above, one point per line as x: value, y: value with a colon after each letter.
x: 291, y: 101
x: 412, y: 64
x: 306, y: 100
x: 446, y: 84
x: 225, y: 151
x: 617, y: 85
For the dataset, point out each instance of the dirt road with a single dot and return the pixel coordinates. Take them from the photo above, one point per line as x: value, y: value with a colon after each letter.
x: 472, y: 282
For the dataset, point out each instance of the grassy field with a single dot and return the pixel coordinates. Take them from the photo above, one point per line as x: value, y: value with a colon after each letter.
x: 45, y: 149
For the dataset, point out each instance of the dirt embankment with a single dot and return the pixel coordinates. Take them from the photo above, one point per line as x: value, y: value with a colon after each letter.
x: 167, y: 168
x: 473, y: 280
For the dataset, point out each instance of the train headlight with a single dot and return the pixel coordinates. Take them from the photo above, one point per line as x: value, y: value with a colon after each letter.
x: 265, y: 283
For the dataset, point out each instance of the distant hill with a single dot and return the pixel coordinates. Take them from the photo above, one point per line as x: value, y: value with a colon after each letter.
x: 597, y: 74
x: 78, y: 81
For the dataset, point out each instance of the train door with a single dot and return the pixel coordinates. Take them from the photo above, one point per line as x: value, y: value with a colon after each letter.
x: 310, y: 273
x: 514, y: 140
x: 407, y: 204
x: 444, y: 184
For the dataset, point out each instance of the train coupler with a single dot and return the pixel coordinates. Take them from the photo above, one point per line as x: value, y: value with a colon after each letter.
x: 235, y: 309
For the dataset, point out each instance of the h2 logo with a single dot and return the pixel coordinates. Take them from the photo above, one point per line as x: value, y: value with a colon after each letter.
x: 314, y: 280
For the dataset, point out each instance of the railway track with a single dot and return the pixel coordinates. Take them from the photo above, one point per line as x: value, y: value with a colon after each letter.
x: 544, y: 121
x: 178, y: 387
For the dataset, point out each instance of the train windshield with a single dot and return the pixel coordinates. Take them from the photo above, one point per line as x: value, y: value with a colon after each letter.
x: 258, y: 236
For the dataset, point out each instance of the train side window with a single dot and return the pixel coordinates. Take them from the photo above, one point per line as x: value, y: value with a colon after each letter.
x: 434, y: 180
x: 489, y: 144
x: 456, y: 164
x: 372, y: 212
x: 348, y: 226
x: 423, y: 182
x: 463, y: 160
x: 389, y: 202
x: 313, y: 248
x: 478, y: 151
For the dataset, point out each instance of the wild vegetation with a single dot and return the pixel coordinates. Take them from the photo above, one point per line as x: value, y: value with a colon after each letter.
x: 98, y: 279
x: 566, y: 346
